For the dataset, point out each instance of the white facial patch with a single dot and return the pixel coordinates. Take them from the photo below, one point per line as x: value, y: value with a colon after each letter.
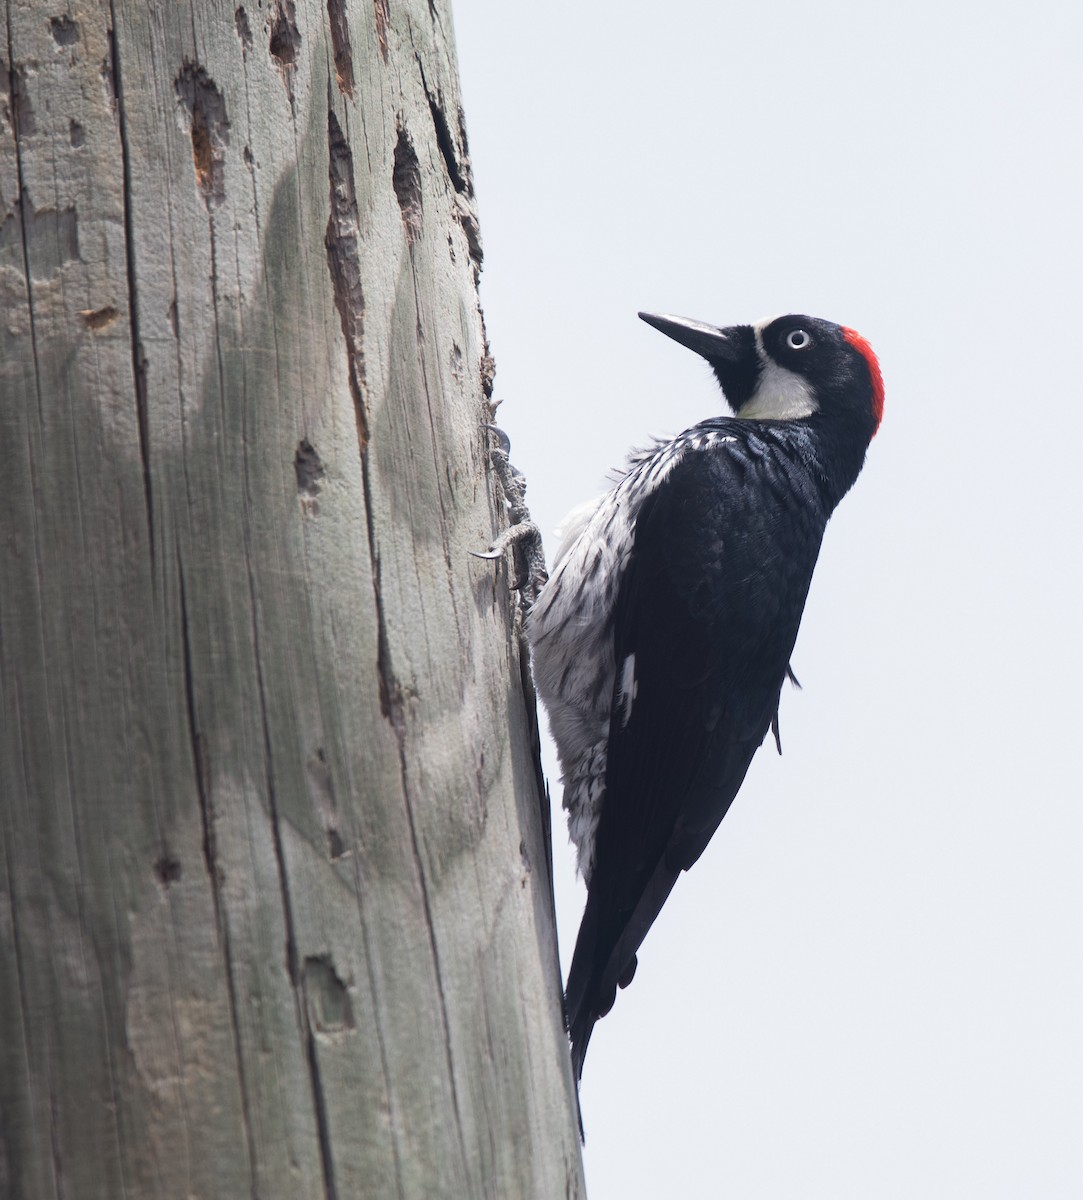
x: 781, y: 394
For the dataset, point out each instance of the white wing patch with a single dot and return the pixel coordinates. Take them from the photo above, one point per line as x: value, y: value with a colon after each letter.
x: 629, y: 687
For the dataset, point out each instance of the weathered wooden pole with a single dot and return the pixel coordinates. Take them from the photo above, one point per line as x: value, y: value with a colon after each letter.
x: 275, y: 910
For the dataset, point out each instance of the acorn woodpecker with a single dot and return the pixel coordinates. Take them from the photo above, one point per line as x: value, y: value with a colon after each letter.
x: 663, y: 638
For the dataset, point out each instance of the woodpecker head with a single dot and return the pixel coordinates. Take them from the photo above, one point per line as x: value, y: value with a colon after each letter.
x: 788, y: 368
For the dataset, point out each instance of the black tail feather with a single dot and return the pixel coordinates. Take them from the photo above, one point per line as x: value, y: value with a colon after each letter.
x: 580, y: 1035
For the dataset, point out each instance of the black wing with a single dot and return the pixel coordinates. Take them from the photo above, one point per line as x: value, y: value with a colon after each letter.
x: 709, y: 607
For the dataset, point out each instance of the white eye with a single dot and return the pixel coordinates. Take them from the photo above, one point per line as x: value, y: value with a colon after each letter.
x: 798, y: 339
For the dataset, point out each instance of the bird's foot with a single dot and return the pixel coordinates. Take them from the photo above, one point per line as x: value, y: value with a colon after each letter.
x: 522, y: 537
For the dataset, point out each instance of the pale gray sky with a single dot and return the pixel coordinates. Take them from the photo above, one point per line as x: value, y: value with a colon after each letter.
x: 872, y: 983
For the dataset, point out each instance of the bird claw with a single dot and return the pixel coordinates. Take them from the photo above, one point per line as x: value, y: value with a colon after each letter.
x: 522, y: 537
x: 512, y: 536
x: 502, y: 440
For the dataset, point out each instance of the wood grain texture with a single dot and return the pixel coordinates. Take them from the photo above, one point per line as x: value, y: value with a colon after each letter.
x: 275, y: 901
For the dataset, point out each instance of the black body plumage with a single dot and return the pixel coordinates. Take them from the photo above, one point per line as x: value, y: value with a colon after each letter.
x: 663, y: 675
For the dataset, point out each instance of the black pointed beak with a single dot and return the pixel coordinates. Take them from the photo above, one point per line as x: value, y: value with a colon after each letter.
x: 731, y: 352
x: 710, y: 341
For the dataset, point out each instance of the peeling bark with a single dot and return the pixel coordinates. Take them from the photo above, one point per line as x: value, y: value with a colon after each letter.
x: 275, y: 903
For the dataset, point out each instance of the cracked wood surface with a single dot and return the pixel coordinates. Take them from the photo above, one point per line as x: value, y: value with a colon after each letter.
x: 275, y: 908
